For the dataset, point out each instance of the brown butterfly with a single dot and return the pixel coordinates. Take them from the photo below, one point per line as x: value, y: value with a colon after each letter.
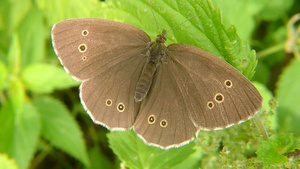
x: 166, y: 93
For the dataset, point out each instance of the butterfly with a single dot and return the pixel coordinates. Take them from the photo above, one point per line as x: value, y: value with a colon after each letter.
x: 165, y: 93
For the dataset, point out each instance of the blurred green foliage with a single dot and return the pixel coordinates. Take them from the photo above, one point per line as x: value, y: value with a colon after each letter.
x: 43, y: 125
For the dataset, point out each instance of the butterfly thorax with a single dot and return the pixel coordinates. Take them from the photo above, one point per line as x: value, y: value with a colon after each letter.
x: 155, y: 55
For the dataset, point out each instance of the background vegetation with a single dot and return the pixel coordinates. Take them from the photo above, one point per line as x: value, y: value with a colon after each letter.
x: 43, y: 125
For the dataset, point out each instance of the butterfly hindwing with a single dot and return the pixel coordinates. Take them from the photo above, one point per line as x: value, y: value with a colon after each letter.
x: 163, y: 119
x: 108, y: 97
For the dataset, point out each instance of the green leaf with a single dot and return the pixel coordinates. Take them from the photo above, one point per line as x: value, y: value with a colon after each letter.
x: 97, y: 159
x: 4, y: 8
x: 60, y: 128
x: 17, y: 12
x: 272, y: 150
x: 266, y: 94
x: 192, y: 161
x: 19, y: 132
x: 136, y: 154
x: 267, y: 97
x: 287, y: 89
x: 6, y: 163
x: 262, y: 74
x: 243, y: 15
x: 44, y: 78
x: 288, y: 86
x: 3, y: 75
x: 14, y: 55
x: 206, y: 31
x: 57, y: 10
x: 16, y: 93
x: 275, y: 9
x: 32, y: 37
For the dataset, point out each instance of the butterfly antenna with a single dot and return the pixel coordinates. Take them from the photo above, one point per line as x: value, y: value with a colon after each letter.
x: 182, y: 22
x: 153, y: 15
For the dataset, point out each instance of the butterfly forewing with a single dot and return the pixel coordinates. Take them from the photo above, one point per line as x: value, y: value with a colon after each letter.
x: 86, y: 47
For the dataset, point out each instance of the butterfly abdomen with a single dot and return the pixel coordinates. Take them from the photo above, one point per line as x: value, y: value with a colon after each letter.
x: 145, y: 81
x: 156, y: 53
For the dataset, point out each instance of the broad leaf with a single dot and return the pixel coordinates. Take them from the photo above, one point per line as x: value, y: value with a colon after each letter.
x: 19, y: 132
x: 43, y: 78
x: 136, y: 154
x: 60, y: 128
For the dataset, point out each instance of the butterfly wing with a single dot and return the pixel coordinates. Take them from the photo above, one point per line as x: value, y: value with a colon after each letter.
x: 194, y: 90
x: 224, y: 96
x: 87, y: 47
x: 107, y: 57
x: 109, y: 97
x: 163, y: 120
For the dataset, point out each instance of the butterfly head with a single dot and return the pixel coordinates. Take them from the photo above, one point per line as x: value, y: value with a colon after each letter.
x: 162, y: 37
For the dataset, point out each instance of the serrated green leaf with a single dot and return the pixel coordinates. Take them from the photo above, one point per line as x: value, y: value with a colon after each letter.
x: 272, y: 150
x: 75, y: 9
x: 44, y: 78
x: 3, y: 75
x: 7, y: 163
x: 287, y: 89
x: 206, y: 31
x: 19, y: 132
x: 60, y: 128
x: 32, y: 37
x: 267, y: 155
x: 287, y: 143
x: 136, y: 154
